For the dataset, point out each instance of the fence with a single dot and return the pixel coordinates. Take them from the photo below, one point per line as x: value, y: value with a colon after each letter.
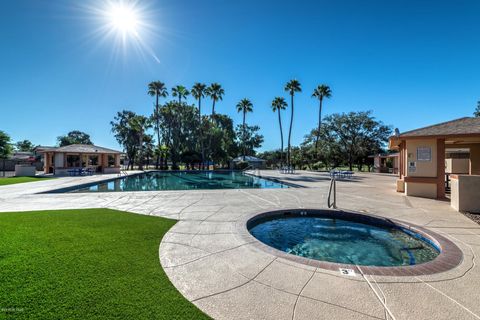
x: 7, y: 167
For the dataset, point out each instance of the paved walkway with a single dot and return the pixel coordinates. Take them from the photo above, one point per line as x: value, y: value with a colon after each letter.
x: 229, y: 278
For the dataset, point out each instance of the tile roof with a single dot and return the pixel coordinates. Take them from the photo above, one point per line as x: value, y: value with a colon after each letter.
x: 83, y: 148
x: 462, y: 126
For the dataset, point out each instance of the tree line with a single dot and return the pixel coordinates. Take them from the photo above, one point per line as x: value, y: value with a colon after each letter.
x: 181, y: 133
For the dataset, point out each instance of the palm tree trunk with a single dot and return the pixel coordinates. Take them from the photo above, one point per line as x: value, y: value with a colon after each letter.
x: 210, y: 138
x: 140, y: 154
x: 157, y: 120
x: 244, y: 112
x: 281, y: 138
x: 290, y: 133
x: 201, y: 132
x: 319, y: 125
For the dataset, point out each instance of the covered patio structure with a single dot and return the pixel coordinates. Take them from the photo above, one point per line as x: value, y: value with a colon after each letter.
x: 427, y: 165
x: 62, y: 160
x: 385, y: 163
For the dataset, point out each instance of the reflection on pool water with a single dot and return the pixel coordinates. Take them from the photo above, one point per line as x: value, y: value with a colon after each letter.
x: 342, y: 241
x: 183, y: 180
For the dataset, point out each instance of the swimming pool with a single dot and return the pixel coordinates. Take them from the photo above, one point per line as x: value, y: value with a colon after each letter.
x: 182, y: 180
x: 354, y: 240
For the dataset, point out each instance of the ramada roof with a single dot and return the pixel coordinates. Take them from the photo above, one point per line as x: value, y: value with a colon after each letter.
x: 248, y: 158
x: 81, y: 148
x: 457, y: 127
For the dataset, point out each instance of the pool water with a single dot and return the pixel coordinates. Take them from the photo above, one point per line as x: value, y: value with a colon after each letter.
x: 343, y: 241
x: 183, y: 180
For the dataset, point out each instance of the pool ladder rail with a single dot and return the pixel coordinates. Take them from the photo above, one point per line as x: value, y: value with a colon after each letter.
x: 333, y: 187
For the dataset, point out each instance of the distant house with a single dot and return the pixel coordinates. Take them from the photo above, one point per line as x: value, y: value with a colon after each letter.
x: 58, y: 160
x: 254, y: 162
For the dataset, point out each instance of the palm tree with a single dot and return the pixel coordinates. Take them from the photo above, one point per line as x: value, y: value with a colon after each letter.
x: 181, y: 92
x: 291, y: 87
x: 320, y: 92
x: 244, y: 106
x: 198, y: 92
x: 215, y: 92
x: 279, y: 104
x: 157, y: 89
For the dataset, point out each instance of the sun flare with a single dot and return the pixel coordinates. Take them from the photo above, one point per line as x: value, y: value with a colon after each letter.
x: 125, y: 26
x: 123, y: 18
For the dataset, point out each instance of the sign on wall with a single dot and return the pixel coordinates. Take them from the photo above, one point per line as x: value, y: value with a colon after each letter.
x: 412, y: 166
x: 424, y: 154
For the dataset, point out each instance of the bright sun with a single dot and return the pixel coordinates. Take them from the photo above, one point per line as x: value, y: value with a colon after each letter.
x: 123, y: 18
x: 129, y: 23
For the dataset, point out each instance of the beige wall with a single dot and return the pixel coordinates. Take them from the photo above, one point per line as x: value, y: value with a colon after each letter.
x: 475, y: 159
x: 423, y: 168
x: 25, y: 170
x: 457, y: 165
x: 58, y: 161
x: 465, y: 193
x: 425, y: 190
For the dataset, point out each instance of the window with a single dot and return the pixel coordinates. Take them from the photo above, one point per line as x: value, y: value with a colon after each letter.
x: 73, y: 161
x: 93, y: 160
x: 111, y: 161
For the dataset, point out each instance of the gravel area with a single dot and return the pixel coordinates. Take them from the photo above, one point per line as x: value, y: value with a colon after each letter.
x: 473, y: 216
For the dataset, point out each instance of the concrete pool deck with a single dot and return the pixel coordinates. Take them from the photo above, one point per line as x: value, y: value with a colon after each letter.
x: 227, y: 277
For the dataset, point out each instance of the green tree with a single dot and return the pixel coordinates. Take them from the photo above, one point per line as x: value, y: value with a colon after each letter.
x: 322, y: 91
x: 139, y: 125
x: 215, y: 92
x: 244, y: 106
x: 291, y: 87
x: 180, y: 130
x: 148, y: 148
x: 220, y: 139
x: 358, y: 135
x: 74, y: 137
x: 279, y: 104
x: 5, y: 148
x: 251, y: 139
x: 198, y: 92
x: 129, y: 130
x: 157, y: 89
x: 24, y: 146
x: 181, y: 92
x: 477, y: 111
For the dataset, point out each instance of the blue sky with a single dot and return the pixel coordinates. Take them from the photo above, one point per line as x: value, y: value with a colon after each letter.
x: 413, y: 63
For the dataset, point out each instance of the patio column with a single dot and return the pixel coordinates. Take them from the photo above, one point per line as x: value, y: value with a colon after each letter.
x: 47, y: 158
x: 401, y: 171
x: 440, y: 168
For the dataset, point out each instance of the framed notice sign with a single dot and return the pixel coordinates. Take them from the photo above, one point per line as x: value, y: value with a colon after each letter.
x: 424, y: 154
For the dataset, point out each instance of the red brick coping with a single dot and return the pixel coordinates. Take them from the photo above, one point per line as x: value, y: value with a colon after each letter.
x: 450, y: 255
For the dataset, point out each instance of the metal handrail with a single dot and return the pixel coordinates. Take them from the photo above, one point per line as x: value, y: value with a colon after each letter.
x: 333, y: 186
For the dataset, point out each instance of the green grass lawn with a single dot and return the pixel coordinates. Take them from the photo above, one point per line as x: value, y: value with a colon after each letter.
x: 84, y: 264
x: 14, y: 180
